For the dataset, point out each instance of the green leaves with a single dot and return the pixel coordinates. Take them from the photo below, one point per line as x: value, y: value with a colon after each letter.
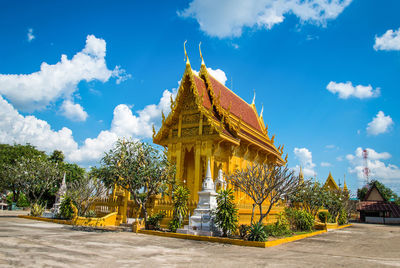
x: 180, y: 198
x: 257, y: 232
x: 311, y: 196
x: 226, y: 212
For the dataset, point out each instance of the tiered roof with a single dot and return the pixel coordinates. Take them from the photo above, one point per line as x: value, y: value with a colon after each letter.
x: 231, y: 116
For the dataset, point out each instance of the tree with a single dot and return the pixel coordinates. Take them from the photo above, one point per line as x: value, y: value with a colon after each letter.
x: 37, y: 175
x: 138, y: 168
x: 57, y: 157
x: 335, y: 202
x: 9, y: 155
x: 73, y: 172
x: 262, y: 182
x: 85, y: 191
x: 226, y: 212
x: 311, y: 196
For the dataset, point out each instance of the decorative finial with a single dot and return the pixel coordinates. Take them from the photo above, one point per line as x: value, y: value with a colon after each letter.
x: 163, y: 116
x: 154, y: 132
x: 262, y: 110
x: 201, y: 55
x: 186, y: 55
x: 254, y: 97
x: 171, y: 102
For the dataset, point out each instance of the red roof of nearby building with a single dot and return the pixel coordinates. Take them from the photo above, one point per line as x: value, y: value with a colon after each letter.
x: 379, y: 206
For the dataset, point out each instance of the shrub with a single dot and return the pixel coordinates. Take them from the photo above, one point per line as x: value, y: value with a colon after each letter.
x: 153, y: 222
x: 342, y: 217
x: 300, y: 220
x: 180, y: 198
x: 174, y: 224
x: 21, y: 202
x: 91, y: 214
x: 226, y: 212
x: 323, y: 216
x: 37, y: 210
x: 66, y: 211
x: 280, y: 228
x: 257, y: 232
x: 244, y: 231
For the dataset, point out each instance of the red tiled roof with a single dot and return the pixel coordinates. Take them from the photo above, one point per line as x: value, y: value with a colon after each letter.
x: 239, y: 107
x: 379, y: 206
x: 201, y: 87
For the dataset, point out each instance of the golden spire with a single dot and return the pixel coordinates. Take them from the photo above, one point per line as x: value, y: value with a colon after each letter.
x: 186, y: 55
x: 301, y: 175
x: 344, y: 184
x: 201, y: 55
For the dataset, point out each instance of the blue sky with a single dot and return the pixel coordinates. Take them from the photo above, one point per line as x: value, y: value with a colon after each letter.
x: 327, y: 73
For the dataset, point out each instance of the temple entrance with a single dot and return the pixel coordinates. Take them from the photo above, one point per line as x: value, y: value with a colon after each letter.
x: 189, y: 168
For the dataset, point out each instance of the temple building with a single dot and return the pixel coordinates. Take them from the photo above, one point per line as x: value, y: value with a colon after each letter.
x: 331, y: 185
x: 208, y: 121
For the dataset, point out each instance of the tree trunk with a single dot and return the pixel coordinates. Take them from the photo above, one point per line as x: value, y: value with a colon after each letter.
x: 14, y: 198
x: 266, y: 214
x: 144, y: 208
x: 261, y: 215
x: 252, y: 214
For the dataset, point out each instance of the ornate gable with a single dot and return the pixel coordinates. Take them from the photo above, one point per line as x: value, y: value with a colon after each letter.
x: 330, y: 183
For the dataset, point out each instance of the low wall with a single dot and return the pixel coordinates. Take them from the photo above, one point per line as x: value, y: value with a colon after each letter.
x: 382, y: 220
x: 108, y: 220
x: 237, y: 242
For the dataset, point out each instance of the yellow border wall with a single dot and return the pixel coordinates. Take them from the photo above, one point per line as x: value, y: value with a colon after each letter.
x: 236, y: 242
x: 108, y: 220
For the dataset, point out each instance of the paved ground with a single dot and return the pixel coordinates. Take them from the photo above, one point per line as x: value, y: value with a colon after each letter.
x: 28, y: 243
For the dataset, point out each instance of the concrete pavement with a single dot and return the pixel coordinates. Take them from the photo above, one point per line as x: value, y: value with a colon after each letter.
x: 29, y: 243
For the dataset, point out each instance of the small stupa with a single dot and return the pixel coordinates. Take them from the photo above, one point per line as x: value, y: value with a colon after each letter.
x: 60, y: 197
x: 201, y: 222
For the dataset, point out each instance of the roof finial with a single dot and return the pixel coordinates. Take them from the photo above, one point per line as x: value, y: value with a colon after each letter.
x: 201, y: 55
x: 254, y: 98
x: 186, y: 55
x: 262, y: 109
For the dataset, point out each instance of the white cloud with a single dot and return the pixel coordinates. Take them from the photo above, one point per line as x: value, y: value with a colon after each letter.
x: 28, y: 129
x: 326, y: 164
x: 227, y: 18
x: 30, y: 35
x: 379, y: 124
x: 387, y: 173
x: 16, y: 128
x: 73, y: 111
x: 305, y: 158
x: 217, y: 74
x: 388, y: 41
x: 347, y: 90
x: 29, y: 92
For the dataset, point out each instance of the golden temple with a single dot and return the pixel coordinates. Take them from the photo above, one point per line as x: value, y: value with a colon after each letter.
x: 208, y: 121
